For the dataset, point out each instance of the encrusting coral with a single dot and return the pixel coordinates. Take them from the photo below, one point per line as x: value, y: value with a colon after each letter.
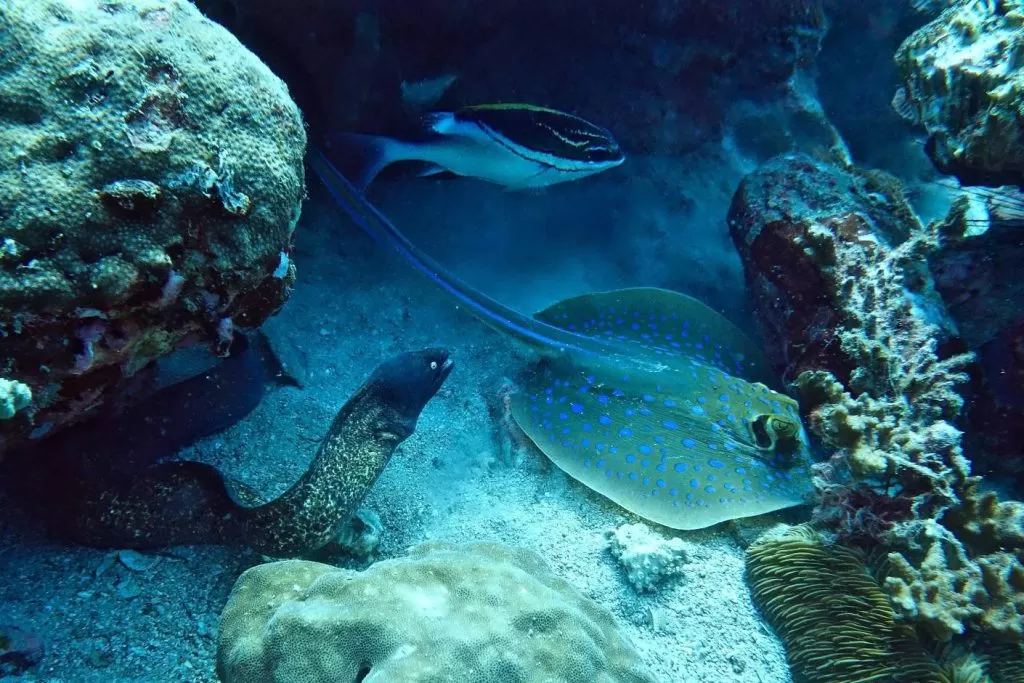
x: 966, y: 569
x: 149, y: 197
x: 483, y: 613
x: 962, y: 81
x: 850, y: 302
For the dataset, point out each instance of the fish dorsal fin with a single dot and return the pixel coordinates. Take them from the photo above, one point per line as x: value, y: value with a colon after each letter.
x: 663, y: 322
x: 677, y: 449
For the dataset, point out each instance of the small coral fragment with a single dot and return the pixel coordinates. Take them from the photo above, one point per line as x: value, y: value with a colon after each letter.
x: 14, y: 396
x: 647, y: 558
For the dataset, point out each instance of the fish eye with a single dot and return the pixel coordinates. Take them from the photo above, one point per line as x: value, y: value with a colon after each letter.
x: 433, y: 365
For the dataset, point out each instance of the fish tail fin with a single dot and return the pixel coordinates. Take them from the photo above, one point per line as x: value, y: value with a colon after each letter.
x: 366, y: 155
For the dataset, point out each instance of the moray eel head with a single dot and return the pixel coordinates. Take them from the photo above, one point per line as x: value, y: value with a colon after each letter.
x: 407, y: 382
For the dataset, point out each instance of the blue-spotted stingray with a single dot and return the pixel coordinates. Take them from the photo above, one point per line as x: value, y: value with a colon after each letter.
x: 647, y: 396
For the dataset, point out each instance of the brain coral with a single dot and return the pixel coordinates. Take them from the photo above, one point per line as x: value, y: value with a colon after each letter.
x: 150, y: 180
x: 483, y: 613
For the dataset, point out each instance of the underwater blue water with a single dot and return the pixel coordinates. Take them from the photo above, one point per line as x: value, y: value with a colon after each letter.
x: 741, y: 452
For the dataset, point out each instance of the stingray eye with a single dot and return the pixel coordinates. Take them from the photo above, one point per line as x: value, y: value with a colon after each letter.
x: 784, y: 429
x: 433, y: 365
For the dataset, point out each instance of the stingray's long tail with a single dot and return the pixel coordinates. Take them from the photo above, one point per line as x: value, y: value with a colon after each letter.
x: 504, y: 319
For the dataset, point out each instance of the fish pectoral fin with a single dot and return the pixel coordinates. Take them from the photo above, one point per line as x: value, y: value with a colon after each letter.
x: 528, y: 183
x: 431, y: 170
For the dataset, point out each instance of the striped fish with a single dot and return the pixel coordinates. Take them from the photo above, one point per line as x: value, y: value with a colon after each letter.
x: 518, y: 146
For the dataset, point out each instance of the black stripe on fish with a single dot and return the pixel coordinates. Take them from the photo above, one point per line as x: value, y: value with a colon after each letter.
x: 547, y: 131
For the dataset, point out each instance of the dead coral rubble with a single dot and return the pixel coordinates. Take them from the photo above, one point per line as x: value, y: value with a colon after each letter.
x: 836, y: 263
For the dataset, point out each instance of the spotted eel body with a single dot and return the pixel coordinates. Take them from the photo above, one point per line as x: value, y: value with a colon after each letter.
x: 185, y: 502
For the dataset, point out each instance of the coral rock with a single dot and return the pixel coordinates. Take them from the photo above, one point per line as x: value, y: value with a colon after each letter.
x: 833, y: 258
x: 962, y: 81
x: 484, y: 613
x: 146, y: 193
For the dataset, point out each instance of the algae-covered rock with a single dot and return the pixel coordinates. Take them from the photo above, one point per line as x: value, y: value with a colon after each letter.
x: 13, y: 397
x: 962, y: 81
x: 483, y: 613
x: 150, y: 180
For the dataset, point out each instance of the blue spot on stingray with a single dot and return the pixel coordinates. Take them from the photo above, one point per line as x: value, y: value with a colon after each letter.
x: 601, y: 398
x: 548, y: 390
x: 717, y: 464
x: 694, y: 483
x: 645, y: 463
x: 660, y: 483
x: 585, y: 443
x: 645, y: 412
x: 679, y: 467
x: 669, y: 403
x: 709, y: 489
x: 702, y: 400
x: 586, y: 463
x: 617, y: 393
x: 635, y: 326
x: 629, y: 412
x: 605, y: 420
x: 587, y: 426
x: 633, y: 476
x: 549, y: 400
x: 697, y: 410
x: 589, y: 379
x: 613, y: 450
x: 648, y: 397
x: 669, y: 424
x: 563, y: 416
x: 630, y: 458
x: 661, y: 468
x: 601, y: 463
x: 645, y: 449
x: 625, y: 432
x: 740, y: 470
x: 689, y: 443
x: 647, y: 481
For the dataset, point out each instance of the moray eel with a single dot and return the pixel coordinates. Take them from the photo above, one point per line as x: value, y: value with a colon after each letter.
x: 184, y: 502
